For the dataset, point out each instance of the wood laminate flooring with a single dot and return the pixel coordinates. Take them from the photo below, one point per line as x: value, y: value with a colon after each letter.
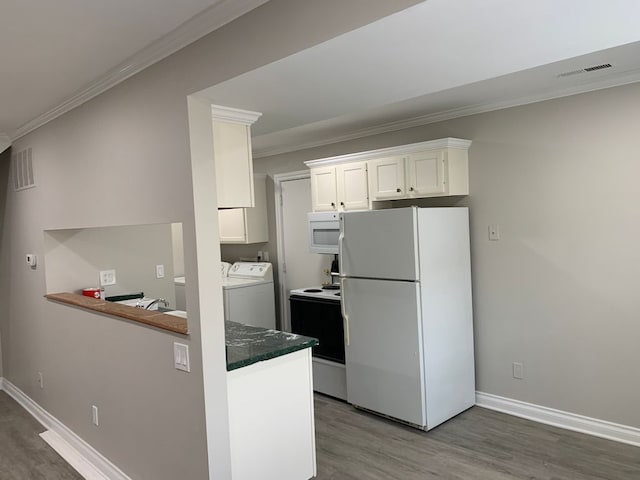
x: 23, y: 454
x: 478, y: 444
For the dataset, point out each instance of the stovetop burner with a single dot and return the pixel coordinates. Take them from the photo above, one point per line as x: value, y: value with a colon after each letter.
x: 318, y: 292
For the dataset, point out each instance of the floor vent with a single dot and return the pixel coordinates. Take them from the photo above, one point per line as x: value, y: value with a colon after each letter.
x: 23, y: 170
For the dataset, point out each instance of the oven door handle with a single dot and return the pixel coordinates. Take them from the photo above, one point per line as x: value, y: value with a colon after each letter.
x: 343, y: 307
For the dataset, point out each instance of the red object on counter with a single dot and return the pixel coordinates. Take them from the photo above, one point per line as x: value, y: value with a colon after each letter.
x: 91, y: 292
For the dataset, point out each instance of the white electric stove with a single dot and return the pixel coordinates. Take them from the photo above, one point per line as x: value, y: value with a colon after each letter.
x: 316, y: 312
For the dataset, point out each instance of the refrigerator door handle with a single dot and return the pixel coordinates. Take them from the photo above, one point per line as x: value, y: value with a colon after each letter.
x: 340, y: 241
x: 345, y: 317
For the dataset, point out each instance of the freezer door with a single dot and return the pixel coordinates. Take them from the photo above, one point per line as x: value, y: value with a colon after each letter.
x: 384, y: 350
x: 379, y: 244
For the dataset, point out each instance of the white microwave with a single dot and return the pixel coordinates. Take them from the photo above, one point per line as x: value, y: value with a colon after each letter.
x: 324, y: 231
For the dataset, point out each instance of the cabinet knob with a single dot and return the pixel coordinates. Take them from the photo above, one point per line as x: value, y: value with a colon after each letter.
x: 398, y: 190
x: 333, y: 204
x: 342, y: 204
x: 411, y: 189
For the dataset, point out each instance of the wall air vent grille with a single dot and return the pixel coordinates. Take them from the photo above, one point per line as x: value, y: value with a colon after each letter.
x: 593, y: 68
x: 597, y: 67
x: 23, y: 169
x: 572, y: 72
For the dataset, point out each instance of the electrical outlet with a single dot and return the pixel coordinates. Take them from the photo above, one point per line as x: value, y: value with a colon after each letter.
x: 31, y: 259
x: 518, y: 370
x: 181, y: 356
x: 107, y: 277
x: 266, y: 256
x: 94, y: 415
x: 159, y: 271
x: 40, y: 380
x: 494, y: 231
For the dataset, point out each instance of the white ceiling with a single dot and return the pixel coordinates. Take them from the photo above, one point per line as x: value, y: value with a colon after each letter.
x: 438, y: 59
x: 59, y: 53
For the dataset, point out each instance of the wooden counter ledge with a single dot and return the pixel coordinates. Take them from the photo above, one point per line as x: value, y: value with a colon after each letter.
x: 148, y: 317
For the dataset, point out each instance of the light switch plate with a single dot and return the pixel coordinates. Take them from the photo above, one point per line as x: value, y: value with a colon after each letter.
x: 181, y: 356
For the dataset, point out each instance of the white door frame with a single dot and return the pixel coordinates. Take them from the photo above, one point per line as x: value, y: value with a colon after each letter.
x: 285, y: 320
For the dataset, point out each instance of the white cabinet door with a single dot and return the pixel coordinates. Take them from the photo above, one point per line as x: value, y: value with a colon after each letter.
x: 233, y: 228
x: 323, y: 189
x: 352, y: 189
x: 427, y: 173
x: 384, y: 352
x: 246, y: 225
x: 387, y: 178
x: 233, y: 164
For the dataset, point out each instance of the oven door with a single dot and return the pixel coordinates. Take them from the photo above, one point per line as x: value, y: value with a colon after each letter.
x: 321, y: 319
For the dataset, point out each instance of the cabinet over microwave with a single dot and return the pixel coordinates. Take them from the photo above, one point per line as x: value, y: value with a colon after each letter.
x: 324, y: 230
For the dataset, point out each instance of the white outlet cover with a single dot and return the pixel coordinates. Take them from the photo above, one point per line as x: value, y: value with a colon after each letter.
x: 159, y: 271
x: 107, y: 277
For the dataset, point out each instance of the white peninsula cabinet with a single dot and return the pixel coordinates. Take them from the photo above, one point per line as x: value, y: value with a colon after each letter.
x: 232, y: 156
x: 339, y: 187
x: 430, y: 169
x: 246, y: 225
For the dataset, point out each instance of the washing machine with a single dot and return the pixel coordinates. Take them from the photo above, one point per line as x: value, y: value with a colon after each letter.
x: 248, y: 292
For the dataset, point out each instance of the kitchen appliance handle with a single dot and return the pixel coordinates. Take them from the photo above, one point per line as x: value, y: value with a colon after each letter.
x: 340, y: 246
x: 345, y: 317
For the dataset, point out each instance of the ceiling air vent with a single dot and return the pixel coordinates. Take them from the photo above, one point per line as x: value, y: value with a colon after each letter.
x: 585, y: 70
x: 597, y: 67
x: 23, y: 170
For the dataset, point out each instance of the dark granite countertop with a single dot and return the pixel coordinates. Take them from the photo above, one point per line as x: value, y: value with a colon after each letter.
x: 247, y: 345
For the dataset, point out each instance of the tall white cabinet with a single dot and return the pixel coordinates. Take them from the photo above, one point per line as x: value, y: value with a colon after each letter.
x: 232, y: 156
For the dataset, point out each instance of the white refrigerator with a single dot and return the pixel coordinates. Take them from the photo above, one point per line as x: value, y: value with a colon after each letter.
x: 406, y: 300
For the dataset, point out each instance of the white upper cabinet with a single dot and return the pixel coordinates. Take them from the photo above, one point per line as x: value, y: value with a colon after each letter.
x: 232, y: 156
x: 427, y: 169
x: 246, y: 225
x: 430, y: 169
x: 324, y: 191
x: 387, y: 178
x: 353, y: 193
x: 339, y: 188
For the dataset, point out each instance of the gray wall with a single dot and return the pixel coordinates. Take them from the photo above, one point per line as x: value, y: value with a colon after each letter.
x: 74, y: 257
x: 5, y: 162
x: 559, y: 291
x: 123, y: 158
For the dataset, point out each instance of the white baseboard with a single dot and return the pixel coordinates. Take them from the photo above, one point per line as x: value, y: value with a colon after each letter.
x: 78, y: 453
x: 559, y: 418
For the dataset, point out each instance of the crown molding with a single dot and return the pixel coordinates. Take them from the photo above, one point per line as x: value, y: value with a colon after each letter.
x: 234, y: 115
x: 5, y: 142
x: 448, y: 142
x: 450, y: 115
x: 219, y: 14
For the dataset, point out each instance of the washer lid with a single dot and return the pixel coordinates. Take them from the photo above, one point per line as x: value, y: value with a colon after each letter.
x: 229, y: 283
x: 255, y: 270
